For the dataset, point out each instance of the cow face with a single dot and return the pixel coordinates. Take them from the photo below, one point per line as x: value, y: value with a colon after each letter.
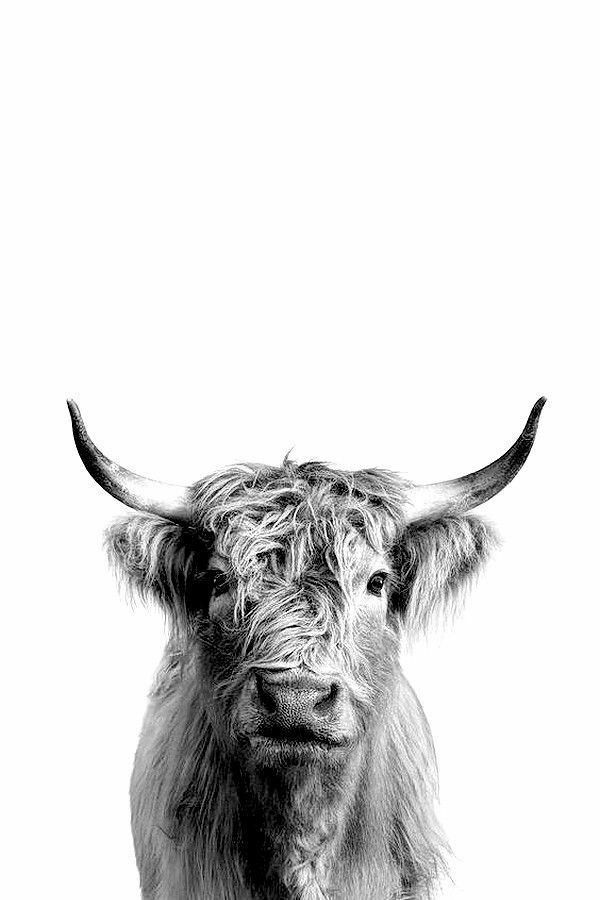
x: 298, y: 636
x: 298, y: 646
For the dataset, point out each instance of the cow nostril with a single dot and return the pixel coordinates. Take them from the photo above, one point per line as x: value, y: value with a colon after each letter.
x: 266, y: 698
x: 327, y: 702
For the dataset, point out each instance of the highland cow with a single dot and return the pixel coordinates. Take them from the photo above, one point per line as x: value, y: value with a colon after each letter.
x: 284, y: 754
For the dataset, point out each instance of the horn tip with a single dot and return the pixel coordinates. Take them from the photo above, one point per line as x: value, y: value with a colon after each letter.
x: 533, y: 419
x: 79, y: 430
x: 535, y: 413
x: 76, y: 417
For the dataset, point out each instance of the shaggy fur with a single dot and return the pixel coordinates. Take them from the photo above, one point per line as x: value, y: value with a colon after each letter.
x: 211, y: 822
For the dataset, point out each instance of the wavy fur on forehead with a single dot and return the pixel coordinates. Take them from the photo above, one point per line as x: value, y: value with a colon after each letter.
x: 298, y: 511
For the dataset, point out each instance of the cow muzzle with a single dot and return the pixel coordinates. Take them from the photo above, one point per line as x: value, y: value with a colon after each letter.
x: 297, y: 707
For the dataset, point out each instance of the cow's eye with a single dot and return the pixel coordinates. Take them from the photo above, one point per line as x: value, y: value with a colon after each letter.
x: 220, y: 582
x: 377, y: 583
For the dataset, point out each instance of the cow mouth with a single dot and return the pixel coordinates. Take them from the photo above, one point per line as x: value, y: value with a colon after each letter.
x: 301, y: 736
x: 300, y: 744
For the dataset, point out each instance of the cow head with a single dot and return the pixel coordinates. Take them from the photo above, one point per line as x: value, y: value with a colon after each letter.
x: 289, y: 589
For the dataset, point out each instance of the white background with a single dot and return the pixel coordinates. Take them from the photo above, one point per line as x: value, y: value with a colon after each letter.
x: 365, y: 231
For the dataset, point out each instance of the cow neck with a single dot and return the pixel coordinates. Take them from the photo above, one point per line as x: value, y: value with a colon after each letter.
x: 301, y: 829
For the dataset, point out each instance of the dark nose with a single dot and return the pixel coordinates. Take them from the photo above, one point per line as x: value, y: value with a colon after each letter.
x: 302, y: 703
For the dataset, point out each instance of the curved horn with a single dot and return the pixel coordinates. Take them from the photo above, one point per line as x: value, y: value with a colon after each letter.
x: 170, y: 501
x: 446, y: 498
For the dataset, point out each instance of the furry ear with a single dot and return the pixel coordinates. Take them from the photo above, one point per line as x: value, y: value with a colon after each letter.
x: 161, y: 561
x: 437, y: 561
